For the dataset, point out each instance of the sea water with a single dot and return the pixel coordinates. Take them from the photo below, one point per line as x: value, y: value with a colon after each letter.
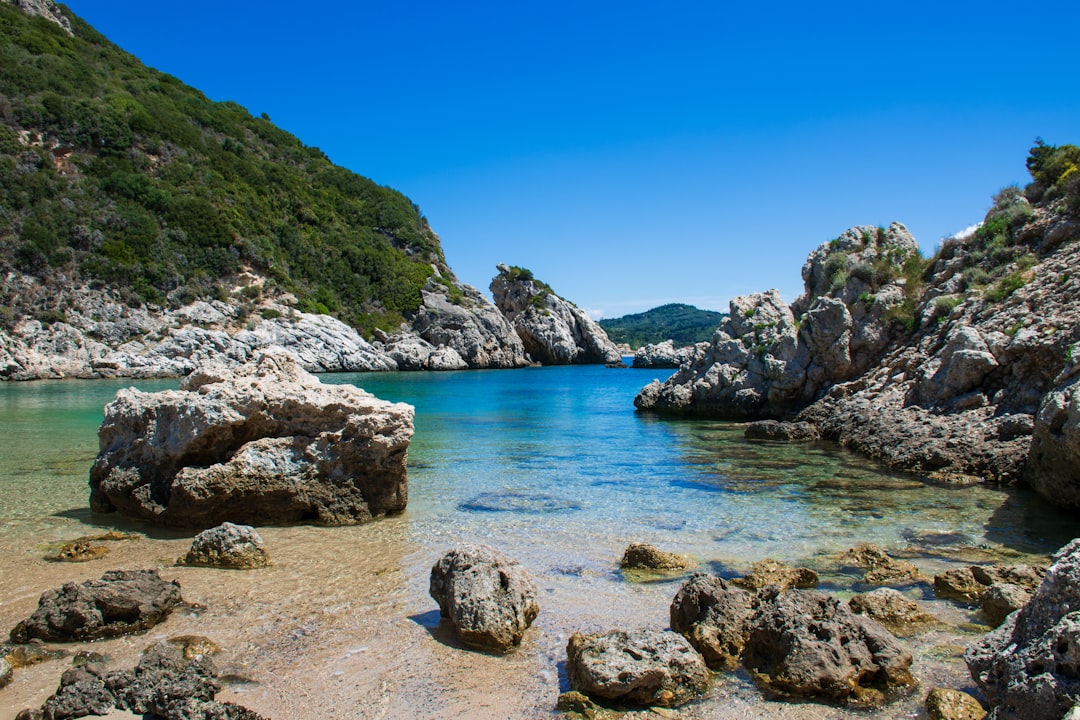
x: 550, y: 465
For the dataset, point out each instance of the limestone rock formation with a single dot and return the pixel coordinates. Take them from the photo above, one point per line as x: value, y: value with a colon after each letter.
x: 228, y: 546
x: 805, y: 644
x: 262, y: 443
x: 778, y: 431
x: 1029, y: 667
x: 470, y: 326
x: 666, y: 355
x: 121, y: 602
x: 553, y: 330
x: 643, y: 667
x: 410, y: 352
x: 1053, y: 466
x: 715, y: 617
x: 488, y: 596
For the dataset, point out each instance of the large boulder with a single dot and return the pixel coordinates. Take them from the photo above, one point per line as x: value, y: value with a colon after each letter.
x: 1029, y: 667
x: 487, y: 596
x: 262, y: 443
x: 553, y: 330
x: 121, y: 602
x: 714, y: 616
x: 806, y: 644
x: 644, y: 667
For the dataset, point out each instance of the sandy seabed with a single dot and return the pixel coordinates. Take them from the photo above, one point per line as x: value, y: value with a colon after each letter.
x: 341, y: 625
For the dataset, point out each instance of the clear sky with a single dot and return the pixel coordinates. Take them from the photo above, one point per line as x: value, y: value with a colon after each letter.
x: 632, y: 154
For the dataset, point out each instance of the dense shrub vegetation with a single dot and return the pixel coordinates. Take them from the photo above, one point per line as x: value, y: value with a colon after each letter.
x: 683, y: 324
x: 119, y: 174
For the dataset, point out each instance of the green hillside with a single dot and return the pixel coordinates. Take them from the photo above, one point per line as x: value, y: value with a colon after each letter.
x: 684, y: 324
x: 118, y: 174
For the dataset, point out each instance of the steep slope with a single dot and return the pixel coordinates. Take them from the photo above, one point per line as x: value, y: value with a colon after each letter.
x: 145, y: 229
x: 682, y: 324
x: 949, y: 366
x: 120, y: 175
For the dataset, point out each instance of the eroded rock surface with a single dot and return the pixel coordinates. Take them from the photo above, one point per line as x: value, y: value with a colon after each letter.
x: 643, y: 667
x: 121, y: 602
x: 263, y: 443
x: 1029, y: 667
x: 805, y: 644
x: 715, y: 617
x: 643, y: 556
x: 487, y: 596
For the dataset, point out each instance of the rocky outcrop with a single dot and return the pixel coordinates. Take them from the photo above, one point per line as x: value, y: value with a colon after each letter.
x: 261, y: 443
x: 778, y: 431
x: 768, y: 360
x: 961, y: 367
x: 228, y: 546
x: 805, y: 644
x: 121, y: 602
x: 644, y: 667
x: 1030, y: 666
x: 553, y: 330
x: 99, y: 334
x: 487, y: 596
x: 715, y: 617
x: 467, y: 323
x: 666, y: 355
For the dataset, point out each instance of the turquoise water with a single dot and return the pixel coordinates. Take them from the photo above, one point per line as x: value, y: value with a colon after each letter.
x: 550, y: 465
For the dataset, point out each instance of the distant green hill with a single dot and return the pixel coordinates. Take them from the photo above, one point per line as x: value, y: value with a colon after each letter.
x: 684, y: 324
x: 115, y: 173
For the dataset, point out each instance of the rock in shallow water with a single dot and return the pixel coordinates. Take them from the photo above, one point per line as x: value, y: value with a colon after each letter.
x: 263, y: 443
x: 714, y: 616
x: 487, y: 595
x: 642, y: 556
x: 121, y: 602
x: 644, y: 667
x: 228, y: 546
x: 803, y: 643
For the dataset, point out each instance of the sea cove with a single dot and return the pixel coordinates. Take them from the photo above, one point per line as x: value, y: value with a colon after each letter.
x: 550, y: 465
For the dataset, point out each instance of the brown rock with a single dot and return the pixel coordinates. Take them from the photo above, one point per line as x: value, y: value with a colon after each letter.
x: 714, y: 616
x: 642, y: 556
x: 881, y: 569
x: 772, y: 572
x: 897, y: 613
x: 945, y: 704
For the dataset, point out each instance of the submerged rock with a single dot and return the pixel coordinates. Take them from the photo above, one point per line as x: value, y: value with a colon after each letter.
x: 553, y: 330
x: 899, y: 614
x: 781, y: 431
x: 881, y: 569
x: 121, y: 602
x: 714, y: 616
x: 805, y: 644
x: 642, y: 556
x: 1029, y: 667
x: 643, y: 667
x: 775, y: 573
x: 487, y: 596
x: 228, y: 546
x: 263, y: 443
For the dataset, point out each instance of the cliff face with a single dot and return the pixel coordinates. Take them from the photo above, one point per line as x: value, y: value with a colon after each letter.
x: 960, y: 366
x: 553, y: 330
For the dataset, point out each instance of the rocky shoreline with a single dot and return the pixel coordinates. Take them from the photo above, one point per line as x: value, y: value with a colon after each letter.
x: 81, y: 331
x: 962, y: 368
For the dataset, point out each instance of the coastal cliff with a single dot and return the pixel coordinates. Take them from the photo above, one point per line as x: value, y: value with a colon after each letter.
x: 553, y: 330
x: 961, y: 365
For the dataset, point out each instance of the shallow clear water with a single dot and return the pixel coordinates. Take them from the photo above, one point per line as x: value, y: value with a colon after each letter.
x: 551, y: 465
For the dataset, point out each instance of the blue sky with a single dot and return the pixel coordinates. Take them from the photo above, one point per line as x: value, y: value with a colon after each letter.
x: 632, y: 154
